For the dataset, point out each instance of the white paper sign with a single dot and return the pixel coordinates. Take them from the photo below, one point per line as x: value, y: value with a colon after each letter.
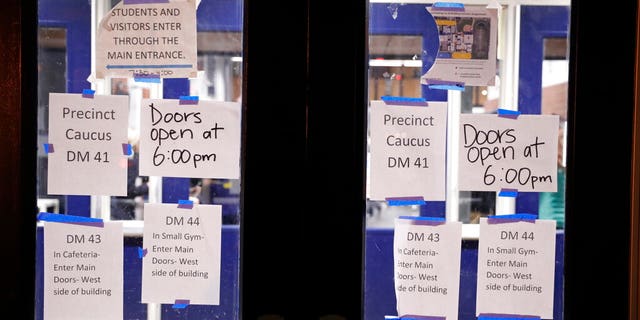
x: 408, y: 146
x: 516, y: 263
x: 502, y: 153
x: 86, y: 137
x: 427, y: 267
x: 83, y: 272
x: 182, y: 260
x: 468, y: 42
x: 191, y: 141
x: 142, y: 38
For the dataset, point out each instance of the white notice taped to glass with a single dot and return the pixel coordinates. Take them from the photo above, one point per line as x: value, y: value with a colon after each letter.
x: 87, y: 144
x: 408, y: 146
x: 190, y: 140
x: 181, y: 263
x: 141, y: 37
x: 83, y: 273
x: 427, y: 266
x: 516, y: 266
x: 498, y: 152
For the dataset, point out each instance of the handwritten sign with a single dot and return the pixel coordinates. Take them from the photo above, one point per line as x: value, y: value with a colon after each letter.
x: 468, y: 46
x: 143, y: 38
x: 427, y: 267
x: 408, y: 146
x: 83, y: 277
x: 498, y: 152
x: 516, y: 263
x: 188, y: 140
x: 182, y: 254
x: 85, y: 148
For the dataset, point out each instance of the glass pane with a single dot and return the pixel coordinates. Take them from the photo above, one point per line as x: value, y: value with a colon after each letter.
x: 69, y: 63
x: 533, y: 82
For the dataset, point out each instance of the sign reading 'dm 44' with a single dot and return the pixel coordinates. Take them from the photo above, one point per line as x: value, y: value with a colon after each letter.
x: 190, y: 140
x: 508, y: 153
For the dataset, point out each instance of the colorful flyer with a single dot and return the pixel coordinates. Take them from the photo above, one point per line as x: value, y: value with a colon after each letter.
x: 88, y: 147
x: 179, y: 139
x: 514, y: 153
x: 408, y: 146
x: 516, y: 267
x: 427, y: 267
x: 83, y: 272
x: 139, y: 38
x: 468, y: 46
x: 181, y: 254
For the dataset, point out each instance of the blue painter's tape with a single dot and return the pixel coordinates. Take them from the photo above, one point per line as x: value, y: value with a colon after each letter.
x: 511, y: 114
x: 445, y: 85
x: 142, y: 252
x: 189, y: 99
x: 414, y: 317
x: 504, y: 192
x: 88, y: 93
x: 507, y: 218
x: 127, y: 149
x: 417, y: 317
x: 151, y: 78
x: 495, y: 316
x: 144, y: 1
x: 147, y: 66
x: 427, y: 221
x: 405, y: 201
x: 48, y: 148
x: 180, y: 304
x: 64, y: 218
x: 406, y: 101
x: 185, y: 204
x: 449, y: 5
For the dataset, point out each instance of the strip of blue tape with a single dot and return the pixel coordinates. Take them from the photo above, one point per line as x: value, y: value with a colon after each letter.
x: 189, y: 99
x: 445, y: 85
x: 511, y: 114
x: 414, y: 317
x: 506, y: 218
x: 426, y: 221
x: 508, y: 193
x: 142, y: 252
x: 491, y: 316
x: 48, y: 148
x: 144, y: 1
x: 185, y: 204
x: 408, y: 101
x: 65, y: 218
x: 437, y: 219
x: 127, y: 149
x: 181, y: 303
x: 448, y: 5
x: 405, y: 201
x: 151, y: 78
x: 88, y: 93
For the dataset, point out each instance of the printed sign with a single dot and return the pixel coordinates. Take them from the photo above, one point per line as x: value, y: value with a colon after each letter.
x: 516, y: 263
x: 468, y: 43
x: 85, y: 153
x: 190, y: 141
x: 83, y: 277
x: 144, y: 38
x: 427, y: 267
x: 182, y: 254
x: 408, y: 146
x: 502, y: 153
